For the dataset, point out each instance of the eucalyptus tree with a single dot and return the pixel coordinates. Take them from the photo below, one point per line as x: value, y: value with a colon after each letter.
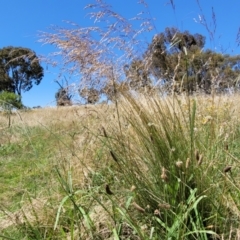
x: 19, y: 69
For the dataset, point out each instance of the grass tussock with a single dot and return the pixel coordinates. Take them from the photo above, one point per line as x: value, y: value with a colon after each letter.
x: 144, y: 168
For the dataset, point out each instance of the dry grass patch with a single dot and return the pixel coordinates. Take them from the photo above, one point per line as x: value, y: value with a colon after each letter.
x: 87, y: 149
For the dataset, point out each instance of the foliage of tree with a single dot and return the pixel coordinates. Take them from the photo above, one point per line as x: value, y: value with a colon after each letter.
x: 112, y: 50
x: 63, y: 96
x: 90, y: 95
x: 138, y: 77
x: 112, y: 90
x: 9, y: 101
x: 19, y: 69
x: 179, y: 60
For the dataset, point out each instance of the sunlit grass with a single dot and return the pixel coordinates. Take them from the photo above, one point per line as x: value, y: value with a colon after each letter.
x: 155, y: 168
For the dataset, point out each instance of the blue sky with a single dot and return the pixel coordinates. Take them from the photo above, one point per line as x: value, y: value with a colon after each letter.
x: 20, y: 22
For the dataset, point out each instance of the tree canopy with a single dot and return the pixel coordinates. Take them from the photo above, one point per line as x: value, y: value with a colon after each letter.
x: 90, y: 95
x: 9, y: 100
x: 63, y: 96
x: 179, y: 61
x: 19, y: 69
x: 115, y: 58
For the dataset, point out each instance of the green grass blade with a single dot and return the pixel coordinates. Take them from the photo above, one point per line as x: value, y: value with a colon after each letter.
x: 59, y: 211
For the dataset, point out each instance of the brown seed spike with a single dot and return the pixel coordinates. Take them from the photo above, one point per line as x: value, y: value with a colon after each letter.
x: 197, y: 155
x: 113, y: 156
x: 108, y: 190
x: 104, y: 132
x: 227, y: 169
x: 226, y: 146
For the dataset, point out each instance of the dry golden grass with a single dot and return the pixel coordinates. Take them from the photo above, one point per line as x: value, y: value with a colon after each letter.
x: 76, y: 126
x: 103, y: 112
x: 45, y: 214
x: 82, y: 130
x: 48, y: 116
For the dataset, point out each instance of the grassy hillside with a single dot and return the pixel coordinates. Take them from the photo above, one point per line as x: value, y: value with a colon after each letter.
x: 144, y: 168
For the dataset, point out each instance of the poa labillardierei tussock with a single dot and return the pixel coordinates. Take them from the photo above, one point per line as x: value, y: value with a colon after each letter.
x: 172, y: 156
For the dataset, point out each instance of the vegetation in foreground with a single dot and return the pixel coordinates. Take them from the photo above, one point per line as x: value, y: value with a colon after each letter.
x: 140, y: 169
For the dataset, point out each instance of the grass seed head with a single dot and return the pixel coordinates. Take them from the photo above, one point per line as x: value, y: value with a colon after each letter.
x: 157, y: 212
x: 164, y: 176
x: 104, y: 132
x: 187, y: 162
x: 226, y: 146
x: 197, y: 155
x: 200, y: 159
x: 132, y: 189
x: 227, y: 169
x: 179, y: 163
x: 164, y: 206
x: 108, y: 190
x: 113, y: 156
x: 140, y: 209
